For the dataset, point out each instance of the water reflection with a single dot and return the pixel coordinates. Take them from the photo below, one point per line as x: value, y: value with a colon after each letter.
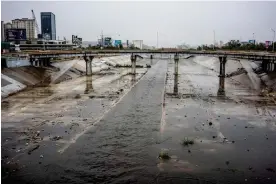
x: 133, y: 79
x: 175, y: 87
x: 89, y: 87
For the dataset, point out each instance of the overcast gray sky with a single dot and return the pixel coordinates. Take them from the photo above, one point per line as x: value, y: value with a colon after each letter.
x: 176, y: 22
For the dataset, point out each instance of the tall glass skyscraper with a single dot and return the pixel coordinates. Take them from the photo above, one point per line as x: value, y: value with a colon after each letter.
x: 48, y: 25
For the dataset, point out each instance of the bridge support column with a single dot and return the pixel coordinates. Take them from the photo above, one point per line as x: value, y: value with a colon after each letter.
x: 271, y: 66
x: 267, y: 66
x: 48, y: 61
x: 44, y: 62
x: 133, y: 64
x: 151, y: 56
x: 264, y: 65
x: 176, y: 59
x: 36, y: 62
x: 175, y: 87
x: 32, y: 61
x: 88, y: 61
x: 221, y: 90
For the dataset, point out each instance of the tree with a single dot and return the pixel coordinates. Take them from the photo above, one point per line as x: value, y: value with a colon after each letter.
x: 121, y: 46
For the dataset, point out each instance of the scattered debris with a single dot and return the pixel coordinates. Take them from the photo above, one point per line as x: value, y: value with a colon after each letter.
x: 270, y: 170
x: 56, y: 138
x: 164, y: 155
x: 210, y: 123
x: 77, y: 96
x: 227, y: 162
x: 41, y: 156
x: 33, y: 149
x: 187, y: 141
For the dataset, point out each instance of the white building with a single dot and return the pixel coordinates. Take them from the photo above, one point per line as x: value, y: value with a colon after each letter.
x: 138, y: 43
x: 24, y: 23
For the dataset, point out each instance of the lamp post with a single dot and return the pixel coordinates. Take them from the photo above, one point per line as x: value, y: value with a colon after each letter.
x: 273, y: 39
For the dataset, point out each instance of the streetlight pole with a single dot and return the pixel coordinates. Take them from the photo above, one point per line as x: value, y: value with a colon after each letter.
x: 273, y: 39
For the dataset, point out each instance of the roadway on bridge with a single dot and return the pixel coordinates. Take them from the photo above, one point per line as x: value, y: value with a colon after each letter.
x: 233, y: 136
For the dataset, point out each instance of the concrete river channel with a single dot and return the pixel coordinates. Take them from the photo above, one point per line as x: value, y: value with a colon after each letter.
x: 152, y: 127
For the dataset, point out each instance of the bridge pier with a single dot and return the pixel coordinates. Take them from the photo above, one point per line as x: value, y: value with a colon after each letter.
x: 48, y: 61
x: 176, y: 59
x: 88, y: 62
x: 44, y: 62
x: 264, y: 65
x: 32, y: 61
x: 133, y: 63
x: 151, y: 56
x: 221, y: 90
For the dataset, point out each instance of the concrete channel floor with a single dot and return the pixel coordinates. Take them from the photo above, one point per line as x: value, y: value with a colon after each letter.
x: 233, y: 136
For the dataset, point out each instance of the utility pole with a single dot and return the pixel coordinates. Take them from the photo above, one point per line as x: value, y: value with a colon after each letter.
x: 273, y: 39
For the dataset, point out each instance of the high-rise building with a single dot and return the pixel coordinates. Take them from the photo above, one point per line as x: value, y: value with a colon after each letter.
x: 24, y: 23
x: 48, y: 25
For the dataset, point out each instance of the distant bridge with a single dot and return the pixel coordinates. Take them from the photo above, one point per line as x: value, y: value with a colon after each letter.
x: 239, y: 55
x: 42, y: 58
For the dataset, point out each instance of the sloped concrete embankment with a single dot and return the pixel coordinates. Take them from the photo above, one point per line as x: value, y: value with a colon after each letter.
x: 241, y: 71
x: 19, y: 78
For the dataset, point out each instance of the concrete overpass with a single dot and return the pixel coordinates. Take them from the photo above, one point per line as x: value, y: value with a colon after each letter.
x: 268, y: 59
x: 229, y: 54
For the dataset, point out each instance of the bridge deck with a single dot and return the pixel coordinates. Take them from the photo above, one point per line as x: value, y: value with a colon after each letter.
x: 71, y: 53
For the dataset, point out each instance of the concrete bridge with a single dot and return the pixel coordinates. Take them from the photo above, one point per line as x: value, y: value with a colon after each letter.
x: 268, y: 59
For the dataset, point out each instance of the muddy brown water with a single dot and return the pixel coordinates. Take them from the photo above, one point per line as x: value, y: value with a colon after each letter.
x: 123, y: 145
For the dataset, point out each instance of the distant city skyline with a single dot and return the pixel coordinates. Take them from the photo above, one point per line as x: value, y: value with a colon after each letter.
x: 192, y: 23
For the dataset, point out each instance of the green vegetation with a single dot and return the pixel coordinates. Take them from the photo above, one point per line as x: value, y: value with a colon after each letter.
x: 119, y: 47
x: 164, y: 155
x: 237, y: 45
x: 186, y: 141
